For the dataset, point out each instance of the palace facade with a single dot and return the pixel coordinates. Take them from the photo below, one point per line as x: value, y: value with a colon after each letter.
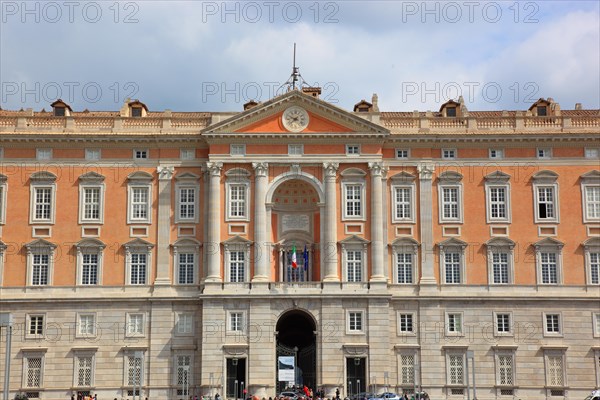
x: 173, y: 254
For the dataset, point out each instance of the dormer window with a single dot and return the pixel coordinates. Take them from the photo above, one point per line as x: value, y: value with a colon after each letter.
x: 136, y: 112
x: 137, y: 109
x: 544, y: 108
x: 542, y: 111
x: 363, y: 106
x: 60, y: 109
x: 451, y: 112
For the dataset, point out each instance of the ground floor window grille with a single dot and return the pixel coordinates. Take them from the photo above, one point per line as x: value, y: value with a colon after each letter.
x: 457, y: 391
x: 32, y: 395
x: 507, y: 392
x: 557, y: 393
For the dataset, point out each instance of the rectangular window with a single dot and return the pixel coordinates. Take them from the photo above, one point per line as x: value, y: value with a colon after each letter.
x: 450, y: 203
x: 87, y: 324
x: 352, y: 149
x: 186, y: 266
x: 541, y: 111
x: 139, y: 203
x: 407, y: 369
x: 36, y: 325
x: 500, y: 268
x: 553, y: 323
x: 595, y: 268
x: 353, y: 200
x: 134, y: 371
x: 184, y: 365
x: 185, y: 323
x: 592, y: 152
x: 549, y: 268
x: 496, y: 153
x: 187, y: 203
x: 454, y: 323
x: 40, y: 269
x: 237, y: 149
x: 546, y: 202
x: 34, y: 372
x: 405, y: 322
x: 91, y: 203
x: 237, y: 266
x: 355, y: 323
x: 89, y: 269
x: 452, y: 267
x: 404, y: 265
x: 544, y: 152
x: 187, y: 154
x: 43, y: 154
x: 503, y: 324
x: 402, y: 153
x: 449, y: 154
x: 135, y: 324
x: 92, y: 154
x: 43, y: 203
x: 354, y: 265
x: 596, y: 322
x: 236, y: 322
x: 138, y: 268
x: 140, y: 154
x: 505, y: 369
x: 592, y: 202
x: 136, y: 112
x: 497, y: 203
x: 295, y: 149
x: 84, y: 370
x: 456, y: 369
x: 237, y: 200
x: 450, y: 111
x: 402, y: 203
x: 555, y: 374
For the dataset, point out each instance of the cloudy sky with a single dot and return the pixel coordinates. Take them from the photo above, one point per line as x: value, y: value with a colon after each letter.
x: 215, y: 56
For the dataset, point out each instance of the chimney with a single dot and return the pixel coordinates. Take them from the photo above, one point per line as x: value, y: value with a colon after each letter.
x: 313, y: 91
x: 375, y: 101
x: 250, y: 104
x: 578, y: 106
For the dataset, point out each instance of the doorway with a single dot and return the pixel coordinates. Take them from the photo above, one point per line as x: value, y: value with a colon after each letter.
x: 236, y: 378
x: 356, y: 376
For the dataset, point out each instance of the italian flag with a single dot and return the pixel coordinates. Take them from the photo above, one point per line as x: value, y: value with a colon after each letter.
x: 294, y: 262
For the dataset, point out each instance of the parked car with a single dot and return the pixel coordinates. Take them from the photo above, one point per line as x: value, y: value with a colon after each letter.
x: 289, y: 395
x: 362, y: 396
x: 385, y: 396
x: 594, y: 396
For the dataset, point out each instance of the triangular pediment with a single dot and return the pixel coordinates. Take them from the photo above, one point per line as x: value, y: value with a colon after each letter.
x: 268, y: 118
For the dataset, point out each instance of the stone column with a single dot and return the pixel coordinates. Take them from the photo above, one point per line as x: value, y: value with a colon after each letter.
x: 377, y: 261
x: 329, y: 259
x: 426, y: 219
x: 213, y: 245
x: 261, y: 247
x: 163, y: 238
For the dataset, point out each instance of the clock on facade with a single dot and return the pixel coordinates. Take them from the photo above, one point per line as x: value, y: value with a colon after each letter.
x: 295, y: 119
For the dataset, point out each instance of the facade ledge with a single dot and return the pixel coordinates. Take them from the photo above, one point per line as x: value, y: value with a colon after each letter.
x: 34, y: 349
x: 407, y: 346
x: 554, y: 347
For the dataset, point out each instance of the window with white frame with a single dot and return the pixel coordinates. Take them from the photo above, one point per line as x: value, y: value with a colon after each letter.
x: 185, y: 323
x: 133, y: 370
x: 555, y: 371
x: 590, y: 193
x: 35, y: 325
x: 402, y: 153
x: 548, y: 259
x: 139, y: 195
x: 186, y: 253
x: 135, y: 324
x: 455, y: 368
x: 91, y: 198
x: 503, y: 323
x: 237, y: 149
x: 187, y: 189
x: 235, y: 321
x: 89, y: 261
x: 596, y: 324
x: 592, y: 152
x: 183, y: 374
x: 352, y: 149
x: 84, y: 370
x: 406, y: 323
x: 237, y: 266
x: 454, y: 323
x: 403, y: 198
x: 43, y: 154
x: 552, y: 324
x: 137, y: 258
x: 449, y: 154
x: 497, y: 154
x: 544, y: 152
x: 497, y: 188
x: 450, y: 197
x: 354, y: 255
x: 405, y: 252
x: 295, y: 149
x: 354, y: 263
x: 33, y: 370
x: 452, y: 261
x: 353, y: 194
x: 591, y: 249
x: 40, y: 262
x: 546, y: 203
x: 187, y: 154
x: 355, y: 321
x: 86, y: 325
x: 3, y: 194
x: 92, y: 154
x: 407, y: 369
x: 505, y: 368
x: 238, y: 194
x: 141, y: 154
x: 500, y: 260
x: 42, y: 201
x: 237, y: 257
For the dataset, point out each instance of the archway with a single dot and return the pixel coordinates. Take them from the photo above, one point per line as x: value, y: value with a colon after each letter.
x: 296, y: 337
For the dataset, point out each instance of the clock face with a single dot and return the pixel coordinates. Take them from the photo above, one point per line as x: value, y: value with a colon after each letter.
x: 295, y: 119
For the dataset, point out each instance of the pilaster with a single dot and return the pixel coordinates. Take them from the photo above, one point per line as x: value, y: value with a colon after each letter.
x: 426, y: 219
x: 377, y: 260
x: 329, y: 252
x: 213, y: 247
x: 261, y: 246
x: 165, y: 176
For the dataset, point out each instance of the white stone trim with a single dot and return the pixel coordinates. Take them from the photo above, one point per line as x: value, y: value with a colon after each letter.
x: 452, y: 245
x: 596, y: 324
x: 555, y: 352
x: 449, y: 156
x: 234, y: 245
x: 590, y: 246
x: 89, y: 246
x: 41, y: 247
x: 547, y: 333
x: 243, y: 182
x: 407, y: 149
x: 37, y: 231
x: 83, y: 353
x: 129, y: 333
x: 33, y: 187
x: 403, y: 185
x: 187, y: 184
x: 511, y: 324
x: 43, y: 154
x: 89, y: 227
x: 243, y: 321
x: 180, y: 227
x: 187, y: 246
x: 27, y: 354
x: 546, y: 179
x: 88, y: 185
x: 35, y: 336
x: 138, y: 235
x: 350, y: 146
x: 549, y: 247
x: 444, y: 183
x: 354, y: 181
x: 3, y: 198
x: 543, y: 234
x: 447, y: 325
x: 405, y: 246
x: 488, y: 202
x: 363, y: 321
x: 459, y: 351
x: 499, y: 153
x: 354, y: 245
x: 138, y: 248
x: 446, y: 230
x: 500, y: 245
x: 90, y: 154
x: 187, y: 154
x: 499, y: 227
x: 503, y: 351
x: 142, y: 152
x: 543, y: 153
x: 359, y: 232
x: 178, y: 331
x: 584, y: 188
x: 85, y: 335
x: 149, y: 208
x: 415, y: 323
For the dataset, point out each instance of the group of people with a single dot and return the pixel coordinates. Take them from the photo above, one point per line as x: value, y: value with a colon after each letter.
x: 84, y: 397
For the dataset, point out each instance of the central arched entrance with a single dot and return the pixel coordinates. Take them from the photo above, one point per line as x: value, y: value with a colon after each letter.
x: 296, y: 337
